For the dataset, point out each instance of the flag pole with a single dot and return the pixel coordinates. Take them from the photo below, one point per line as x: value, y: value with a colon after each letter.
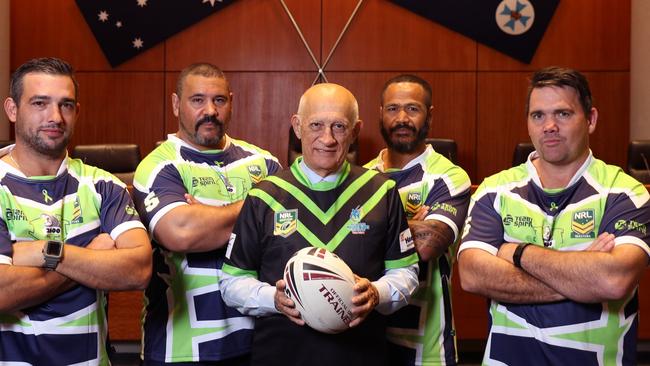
x: 321, y: 74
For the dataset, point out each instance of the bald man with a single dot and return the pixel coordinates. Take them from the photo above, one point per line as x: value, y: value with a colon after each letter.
x: 353, y: 212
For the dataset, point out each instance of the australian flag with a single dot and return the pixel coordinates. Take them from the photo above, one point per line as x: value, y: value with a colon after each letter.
x: 514, y: 27
x: 126, y: 28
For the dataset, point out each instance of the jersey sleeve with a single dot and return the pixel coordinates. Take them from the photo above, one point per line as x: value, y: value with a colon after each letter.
x: 448, y: 205
x: 245, y: 246
x: 483, y: 226
x: 627, y: 215
x: 240, y: 286
x: 272, y: 166
x: 117, y: 211
x: 400, y: 248
x: 157, y: 192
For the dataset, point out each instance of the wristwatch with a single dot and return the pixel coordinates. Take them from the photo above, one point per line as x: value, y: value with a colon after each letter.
x: 52, y: 253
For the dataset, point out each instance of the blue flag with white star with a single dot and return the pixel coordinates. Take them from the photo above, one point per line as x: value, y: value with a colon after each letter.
x: 126, y: 28
x: 514, y: 27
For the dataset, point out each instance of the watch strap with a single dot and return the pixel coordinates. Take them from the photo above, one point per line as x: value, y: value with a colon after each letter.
x: 51, y: 262
x: 516, y: 256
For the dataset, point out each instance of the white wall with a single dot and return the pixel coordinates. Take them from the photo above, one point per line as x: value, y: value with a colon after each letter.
x: 4, y: 65
x: 640, y: 71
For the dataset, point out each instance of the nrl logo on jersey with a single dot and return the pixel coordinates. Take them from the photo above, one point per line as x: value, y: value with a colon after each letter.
x: 356, y: 226
x: 285, y: 223
x: 583, y: 224
x: 413, y: 203
x: 256, y: 173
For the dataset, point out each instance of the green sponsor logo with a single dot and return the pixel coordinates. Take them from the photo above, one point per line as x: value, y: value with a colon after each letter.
x: 631, y: 225
x: 444, y: 207
x: 203, y: 181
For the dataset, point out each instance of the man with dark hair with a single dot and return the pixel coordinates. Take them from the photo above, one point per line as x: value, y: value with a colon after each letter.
x: 323, y: 202
x: 68, y: 231
x: 560, y: 243
x: 189, y: 191
x: 435, y: 195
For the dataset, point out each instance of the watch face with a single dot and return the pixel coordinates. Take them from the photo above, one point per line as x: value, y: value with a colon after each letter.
x: 53, y: 248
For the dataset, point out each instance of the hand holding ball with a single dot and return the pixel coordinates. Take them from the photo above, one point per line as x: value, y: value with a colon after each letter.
x: 320, y: 284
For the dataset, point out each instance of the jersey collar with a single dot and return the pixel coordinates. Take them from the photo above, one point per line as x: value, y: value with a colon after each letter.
x: 414, y: 162
x: 578, y: 174
x: 313, y: 181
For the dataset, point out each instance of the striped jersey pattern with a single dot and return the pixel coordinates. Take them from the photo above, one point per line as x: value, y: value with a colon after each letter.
x: 511, y: 206
x: 185, y: 319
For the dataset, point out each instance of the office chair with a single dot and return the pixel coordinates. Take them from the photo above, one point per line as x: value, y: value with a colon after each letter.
x: 5, y: 143
x: 521, y: 152
x: 445, y: 147
x: 119, y: 159
x: 638, y: 160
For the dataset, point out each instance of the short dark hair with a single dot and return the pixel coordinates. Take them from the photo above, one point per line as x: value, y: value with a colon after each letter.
x: 202, y: 69
x: 562, y: 77
x: 45, y: 65
x: 410, y: 78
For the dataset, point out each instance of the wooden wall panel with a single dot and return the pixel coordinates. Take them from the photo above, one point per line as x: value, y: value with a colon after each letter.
x: 611, y: 94
x: 384, y: 36
x: 120, y: 108
x: 501, y: 120
x: 502, y: 123
x: 56, y: 28
x: 124, y: 314
x: 644, y: 305
x: 470, y: 311
x: 583, y: 34
x: 253, y: 35
x: 453, y: 101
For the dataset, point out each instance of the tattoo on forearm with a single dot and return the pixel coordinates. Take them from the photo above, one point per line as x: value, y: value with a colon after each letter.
x: 431, y: 234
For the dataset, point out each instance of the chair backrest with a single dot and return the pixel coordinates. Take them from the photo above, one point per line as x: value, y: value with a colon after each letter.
x: 118, y: 159
x: 445, y: 147
x: 294, y: 150
x: 638, y: 160
x: 521, y: 152
x: 5, y: 143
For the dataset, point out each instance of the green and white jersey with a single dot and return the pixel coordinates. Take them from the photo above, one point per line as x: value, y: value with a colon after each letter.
x: 74, y: 206
x: 423, y: 333
x: 512, y: 206
x: 185, y: 319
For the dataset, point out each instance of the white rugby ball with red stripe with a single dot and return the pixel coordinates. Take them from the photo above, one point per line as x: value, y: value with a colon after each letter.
x: 320, y: 284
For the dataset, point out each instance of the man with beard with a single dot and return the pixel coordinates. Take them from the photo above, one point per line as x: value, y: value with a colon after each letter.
x: 68, y: 231
x: 322, y: 201
x: 435, y: 195
x: 559, y: 243
x: 189, y: 191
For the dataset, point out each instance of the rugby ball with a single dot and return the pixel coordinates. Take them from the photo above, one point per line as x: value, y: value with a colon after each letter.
x: 320, y: 284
